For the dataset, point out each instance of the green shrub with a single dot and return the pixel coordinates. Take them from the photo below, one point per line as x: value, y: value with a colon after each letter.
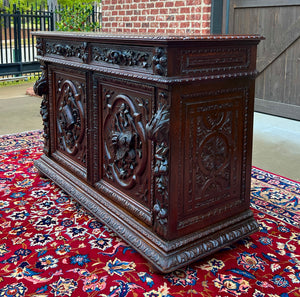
x: 76, y: 18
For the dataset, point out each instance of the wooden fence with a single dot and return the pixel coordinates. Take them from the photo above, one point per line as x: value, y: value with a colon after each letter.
x: 278, y: 85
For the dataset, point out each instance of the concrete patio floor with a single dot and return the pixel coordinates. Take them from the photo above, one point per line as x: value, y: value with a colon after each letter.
x: 276, y: 141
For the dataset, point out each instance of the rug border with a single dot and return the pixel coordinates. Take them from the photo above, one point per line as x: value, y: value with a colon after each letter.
x: 281, y: 176
x: 21, y: 133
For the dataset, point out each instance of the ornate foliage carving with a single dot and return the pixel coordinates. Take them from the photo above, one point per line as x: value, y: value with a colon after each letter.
x: 124, y: 141
x: 39, y: 46
x: 158, y: 131
x: 40, y: 88
x: 160, y: 61
x: 68, y: 50
x: 123, y: 57
x: 71, y: 119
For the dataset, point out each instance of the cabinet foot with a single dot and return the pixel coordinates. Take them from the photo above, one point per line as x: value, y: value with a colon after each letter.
x: 41, y: 174
x: 153, y: 269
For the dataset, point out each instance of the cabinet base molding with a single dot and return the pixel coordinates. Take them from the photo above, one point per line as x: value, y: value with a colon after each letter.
x: 164, y: 256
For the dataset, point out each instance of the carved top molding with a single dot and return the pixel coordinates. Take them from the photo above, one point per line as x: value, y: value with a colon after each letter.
x: 150, y: 38
x: 157, y: 56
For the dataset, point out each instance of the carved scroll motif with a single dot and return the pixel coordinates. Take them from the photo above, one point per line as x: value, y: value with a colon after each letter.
x: 158, y: 131
x: 160, y: 61
x: 122, y: 57
x: 70, y: 119
x: 124, y: 142
x: 40, y: 88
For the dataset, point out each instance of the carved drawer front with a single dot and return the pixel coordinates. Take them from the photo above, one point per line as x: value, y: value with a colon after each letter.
x: 125, y: 157
x: 214, y: 129
x: 70, y: 121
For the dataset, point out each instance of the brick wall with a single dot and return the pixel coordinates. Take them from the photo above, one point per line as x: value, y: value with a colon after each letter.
x: 156, y: 16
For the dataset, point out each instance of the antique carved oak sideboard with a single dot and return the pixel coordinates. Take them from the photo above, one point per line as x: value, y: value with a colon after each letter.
x: 153, y: 135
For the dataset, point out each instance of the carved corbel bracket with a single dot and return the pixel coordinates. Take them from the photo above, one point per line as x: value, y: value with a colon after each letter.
x: 40, y: 88
x: 160, y: 61
x: 158, y: 131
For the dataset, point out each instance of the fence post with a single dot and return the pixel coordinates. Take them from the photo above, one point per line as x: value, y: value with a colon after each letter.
x: 17, y: 34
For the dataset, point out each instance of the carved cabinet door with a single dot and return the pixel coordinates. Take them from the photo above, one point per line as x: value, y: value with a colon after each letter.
x: 69, y: 125
x: 123, y: 154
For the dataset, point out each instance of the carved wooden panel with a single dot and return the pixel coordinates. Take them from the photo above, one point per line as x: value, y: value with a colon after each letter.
x: 70, y: 119
x: 126, y: 152
x: 213, y: 153
x: 116, y: 55
x: 212, y: 60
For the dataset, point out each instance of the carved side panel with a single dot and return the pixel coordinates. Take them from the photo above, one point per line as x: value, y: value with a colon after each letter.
x: 71, y: 122
x: 213, y: 172
x: 126, y: 153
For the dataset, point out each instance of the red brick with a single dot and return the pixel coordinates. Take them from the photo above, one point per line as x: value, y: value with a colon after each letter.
x: 179, y: 3
x: 206, y: 31
x: 154, y: 11
x: 159, y: 4
x: 174, y: 25
x: 180, y: 17
x: 170, y: 18
x: 205, y: 24
x: 163, y: 24
x: 185, y: 10
x: 150, y: 18
x: 142, y: 30
x: 163, y: 11
x: 196, y: 9
x: 205, y: 17
x: 150, y: 5
x: 207, y: 9
x: 160, y: 18
x: 161, y: 31
x: 174, y: 10
x: 185, y: 24
x: 169, y: 4
x: 146, y: 11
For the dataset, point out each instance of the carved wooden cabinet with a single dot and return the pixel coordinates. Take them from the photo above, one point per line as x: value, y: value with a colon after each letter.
x: 152, y: 134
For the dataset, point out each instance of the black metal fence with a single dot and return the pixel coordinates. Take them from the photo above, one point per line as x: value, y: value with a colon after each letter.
x: 17, y: 45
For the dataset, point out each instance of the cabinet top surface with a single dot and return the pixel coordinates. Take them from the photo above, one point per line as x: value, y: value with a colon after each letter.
x: 90, y: 36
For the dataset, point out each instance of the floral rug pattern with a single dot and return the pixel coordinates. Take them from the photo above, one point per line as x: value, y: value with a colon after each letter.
x: 51, y: 246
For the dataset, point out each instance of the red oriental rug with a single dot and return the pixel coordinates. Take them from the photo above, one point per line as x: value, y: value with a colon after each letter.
x: 51, y: 246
